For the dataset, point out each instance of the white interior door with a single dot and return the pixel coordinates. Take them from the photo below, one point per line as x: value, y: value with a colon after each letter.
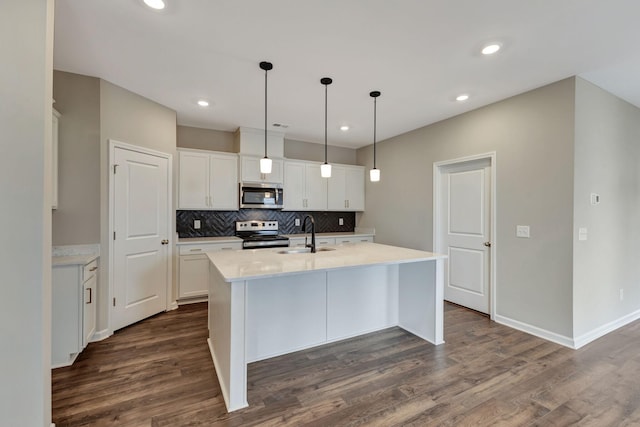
x: 141, y: 235
x: 465, y: 233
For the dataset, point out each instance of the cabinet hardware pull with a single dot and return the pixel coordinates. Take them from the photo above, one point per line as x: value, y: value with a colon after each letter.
x: 195, y: 250
x: 94, y: 268
x: 487, y: 244
x: 165, y: 242
x: 90, y: 295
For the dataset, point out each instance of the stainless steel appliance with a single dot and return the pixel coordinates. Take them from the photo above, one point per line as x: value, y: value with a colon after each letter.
x: 261, y: 196
x: 260, y: 234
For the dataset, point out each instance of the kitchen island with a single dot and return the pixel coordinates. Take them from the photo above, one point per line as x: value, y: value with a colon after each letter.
x: 268, y: 302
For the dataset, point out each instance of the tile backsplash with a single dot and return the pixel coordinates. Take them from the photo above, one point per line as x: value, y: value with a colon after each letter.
x: 222, y: 223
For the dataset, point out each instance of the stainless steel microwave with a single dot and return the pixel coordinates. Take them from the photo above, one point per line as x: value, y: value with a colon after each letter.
x: 261, y: 196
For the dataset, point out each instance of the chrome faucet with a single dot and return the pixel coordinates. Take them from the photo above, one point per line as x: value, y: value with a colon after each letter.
x: 313, y: 233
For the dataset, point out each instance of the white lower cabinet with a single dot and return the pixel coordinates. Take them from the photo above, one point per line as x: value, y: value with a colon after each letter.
x: 193, y: 276
x: 320, y: 241
x: 73, y: 310
x: 354, y: 239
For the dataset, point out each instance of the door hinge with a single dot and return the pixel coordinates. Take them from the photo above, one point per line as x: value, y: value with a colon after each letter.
x: 114, y: 168
x: 114, y: 301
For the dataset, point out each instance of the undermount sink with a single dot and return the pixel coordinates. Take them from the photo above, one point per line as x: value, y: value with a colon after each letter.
x: 304, y: 250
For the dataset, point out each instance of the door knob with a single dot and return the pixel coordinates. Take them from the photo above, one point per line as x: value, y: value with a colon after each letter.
x: 165, y: 242
x: 487, y: 244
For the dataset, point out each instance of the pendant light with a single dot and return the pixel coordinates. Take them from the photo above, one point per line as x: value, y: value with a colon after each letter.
x: 374, y: 174
x: 325, y: 169
x: 265, y: 162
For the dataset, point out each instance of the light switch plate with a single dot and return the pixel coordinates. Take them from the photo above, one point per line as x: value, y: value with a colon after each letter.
x: 196, y: 224
x: 340, y: 221
x: 522, y: 231
x: 297, y: 222
x: 582, y: 233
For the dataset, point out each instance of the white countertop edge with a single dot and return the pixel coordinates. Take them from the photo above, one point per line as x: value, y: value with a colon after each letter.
x: 428, y: 256
x: 203, y: 240
x: 58, y: 261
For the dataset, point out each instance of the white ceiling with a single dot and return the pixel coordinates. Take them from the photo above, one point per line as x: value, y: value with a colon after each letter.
x: 419, y: 53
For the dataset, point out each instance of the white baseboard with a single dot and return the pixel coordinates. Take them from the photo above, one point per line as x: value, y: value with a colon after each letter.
x: 598, y: 332
x: 173, y: 306
x: 536, y: 331
x: 193, y: 300
x: 100, y: 335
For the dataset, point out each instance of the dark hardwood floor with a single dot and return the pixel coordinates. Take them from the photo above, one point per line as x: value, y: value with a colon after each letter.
x: 159, y: 373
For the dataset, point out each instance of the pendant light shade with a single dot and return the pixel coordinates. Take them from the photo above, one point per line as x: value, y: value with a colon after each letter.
x: 374, y: 174
x: 265, y: 162
x: 325, y: 169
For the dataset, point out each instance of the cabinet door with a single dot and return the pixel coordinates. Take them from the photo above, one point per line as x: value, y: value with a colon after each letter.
x: 194, y: 276
x: 250, y: 170
x: 193, y: 181
x: 89, y: 289
x: 224, y: 182
x: 354, y: 188
x: 315, y: 188
x: 337, y: 197
x: 293, y: 189
x: 66, y: 323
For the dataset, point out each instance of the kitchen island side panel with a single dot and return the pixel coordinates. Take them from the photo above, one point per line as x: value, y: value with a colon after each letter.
x: 226, y: 337
x: 421, y: 299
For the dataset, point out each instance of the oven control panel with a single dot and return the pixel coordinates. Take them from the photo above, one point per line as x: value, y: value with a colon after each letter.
x: 256, y: 225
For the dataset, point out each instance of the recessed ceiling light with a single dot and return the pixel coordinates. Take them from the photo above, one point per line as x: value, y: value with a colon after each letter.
x: 344, y: 128
x: 490, y: 49
x: 462, y: 97
x: 203, y: 103
x: 155, y: 4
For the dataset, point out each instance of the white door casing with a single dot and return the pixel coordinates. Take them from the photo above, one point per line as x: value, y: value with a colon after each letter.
x: 463, y: 209
x: 141, y: 245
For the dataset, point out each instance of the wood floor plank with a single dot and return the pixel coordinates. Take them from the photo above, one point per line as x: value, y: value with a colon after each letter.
x: 159, y: 373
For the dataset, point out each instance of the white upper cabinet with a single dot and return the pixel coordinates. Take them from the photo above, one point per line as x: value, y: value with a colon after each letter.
x: 304, y: 188
x: 346, y: 188
x: 250, y: 170
x: 207, y: 181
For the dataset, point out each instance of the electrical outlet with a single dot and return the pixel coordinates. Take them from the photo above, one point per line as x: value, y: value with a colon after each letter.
x: 340, y: 221
x: 522, y: 231
x: 297, y: 222
x: 196, y: 224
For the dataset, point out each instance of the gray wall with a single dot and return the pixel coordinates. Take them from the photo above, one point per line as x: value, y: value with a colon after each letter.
x: 315, y: 152
x: 77, y: 219
x: 26, y: 29
x: 205, y: 139
x: 133, y: 119
x: 217, y: 140
x: 607, y: 155
x: 532, y: 135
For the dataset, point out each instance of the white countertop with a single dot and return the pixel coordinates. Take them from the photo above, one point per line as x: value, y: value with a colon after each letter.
x: 72, y: 259
x: 264, y: 263
x: 200, y: 240
x: 335, y: 234
x: 228, y: 239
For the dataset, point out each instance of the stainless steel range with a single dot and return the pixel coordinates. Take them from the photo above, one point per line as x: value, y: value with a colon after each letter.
x: 260, y: 234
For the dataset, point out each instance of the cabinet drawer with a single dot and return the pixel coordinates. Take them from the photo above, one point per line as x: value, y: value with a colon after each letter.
x: 209, y: 247
x: 89, y: 270
x: 354, y: 239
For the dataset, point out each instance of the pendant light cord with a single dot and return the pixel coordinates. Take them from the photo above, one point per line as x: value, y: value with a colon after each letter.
x: 265, y: 113
x: 374, y: 130
x: 325, y: 123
